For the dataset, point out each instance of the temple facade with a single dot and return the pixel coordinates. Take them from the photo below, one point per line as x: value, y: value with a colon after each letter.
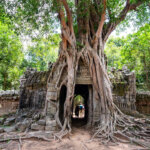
x: 46, y: 91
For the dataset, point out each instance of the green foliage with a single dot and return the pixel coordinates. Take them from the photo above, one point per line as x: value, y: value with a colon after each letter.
x: 132, y: 51
x: 30, y: 16
x: 42, y: 51
x: 113, y: 51
x: 78, y: 100
x: 13, y: 61
x: 10, y: 58
x: 42, y: 14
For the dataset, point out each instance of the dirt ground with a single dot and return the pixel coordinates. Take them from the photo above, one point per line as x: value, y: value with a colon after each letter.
x: 77, y: 141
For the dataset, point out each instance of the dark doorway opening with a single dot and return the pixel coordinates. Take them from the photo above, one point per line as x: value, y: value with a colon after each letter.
x: 81, y: 91
x: 62, y: 99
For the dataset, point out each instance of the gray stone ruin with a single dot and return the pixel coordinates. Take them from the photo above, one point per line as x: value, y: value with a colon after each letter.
x: 39, y: 93
x: 41, y: 100
x: 8, y: 101
x: 33, y: 89
x: 124, y: 88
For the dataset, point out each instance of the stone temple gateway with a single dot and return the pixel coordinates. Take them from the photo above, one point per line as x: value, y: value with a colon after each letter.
x: 46, y: 92
x: 83, y: 87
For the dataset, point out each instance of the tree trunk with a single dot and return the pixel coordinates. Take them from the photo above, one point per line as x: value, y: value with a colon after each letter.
x: 111, y: 120
x: 101, y: 83
x: 89, y: 44
x: 71, y: 61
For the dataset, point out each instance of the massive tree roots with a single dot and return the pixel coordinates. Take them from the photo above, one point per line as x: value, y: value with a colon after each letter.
x: 121, y: 128
x: 113, y: 125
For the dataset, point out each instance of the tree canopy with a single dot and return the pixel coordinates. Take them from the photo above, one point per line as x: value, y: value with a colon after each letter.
x: 41, y: 52
x: 132, y: 51
x: 42, y: 15
x: 41, y: 18
x: 11, y: 56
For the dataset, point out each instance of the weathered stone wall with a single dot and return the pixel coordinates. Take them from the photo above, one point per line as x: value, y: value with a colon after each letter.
x: 33, y: 89
x: 9, y: 101
x: 36, y: 88
x: 124, y: 92
x: 143, y: 102
x: 124, y: 89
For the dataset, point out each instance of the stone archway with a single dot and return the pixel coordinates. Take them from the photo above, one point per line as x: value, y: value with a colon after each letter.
x: 83, y: 91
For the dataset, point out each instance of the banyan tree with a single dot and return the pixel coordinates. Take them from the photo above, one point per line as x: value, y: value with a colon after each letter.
x: 85, y: 27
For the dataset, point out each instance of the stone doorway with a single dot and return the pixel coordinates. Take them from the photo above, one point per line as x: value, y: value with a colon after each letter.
x: 81, y: 95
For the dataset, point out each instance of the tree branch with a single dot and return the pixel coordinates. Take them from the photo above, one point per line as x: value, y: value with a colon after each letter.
x: 112, y: 25
x: 63, y: 23
x: 69, y: 15
x: 61, y: 14
x: 101, y: 24
x: 66, y: 31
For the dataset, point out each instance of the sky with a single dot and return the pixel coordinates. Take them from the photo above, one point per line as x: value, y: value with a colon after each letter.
x: 123, y: 33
